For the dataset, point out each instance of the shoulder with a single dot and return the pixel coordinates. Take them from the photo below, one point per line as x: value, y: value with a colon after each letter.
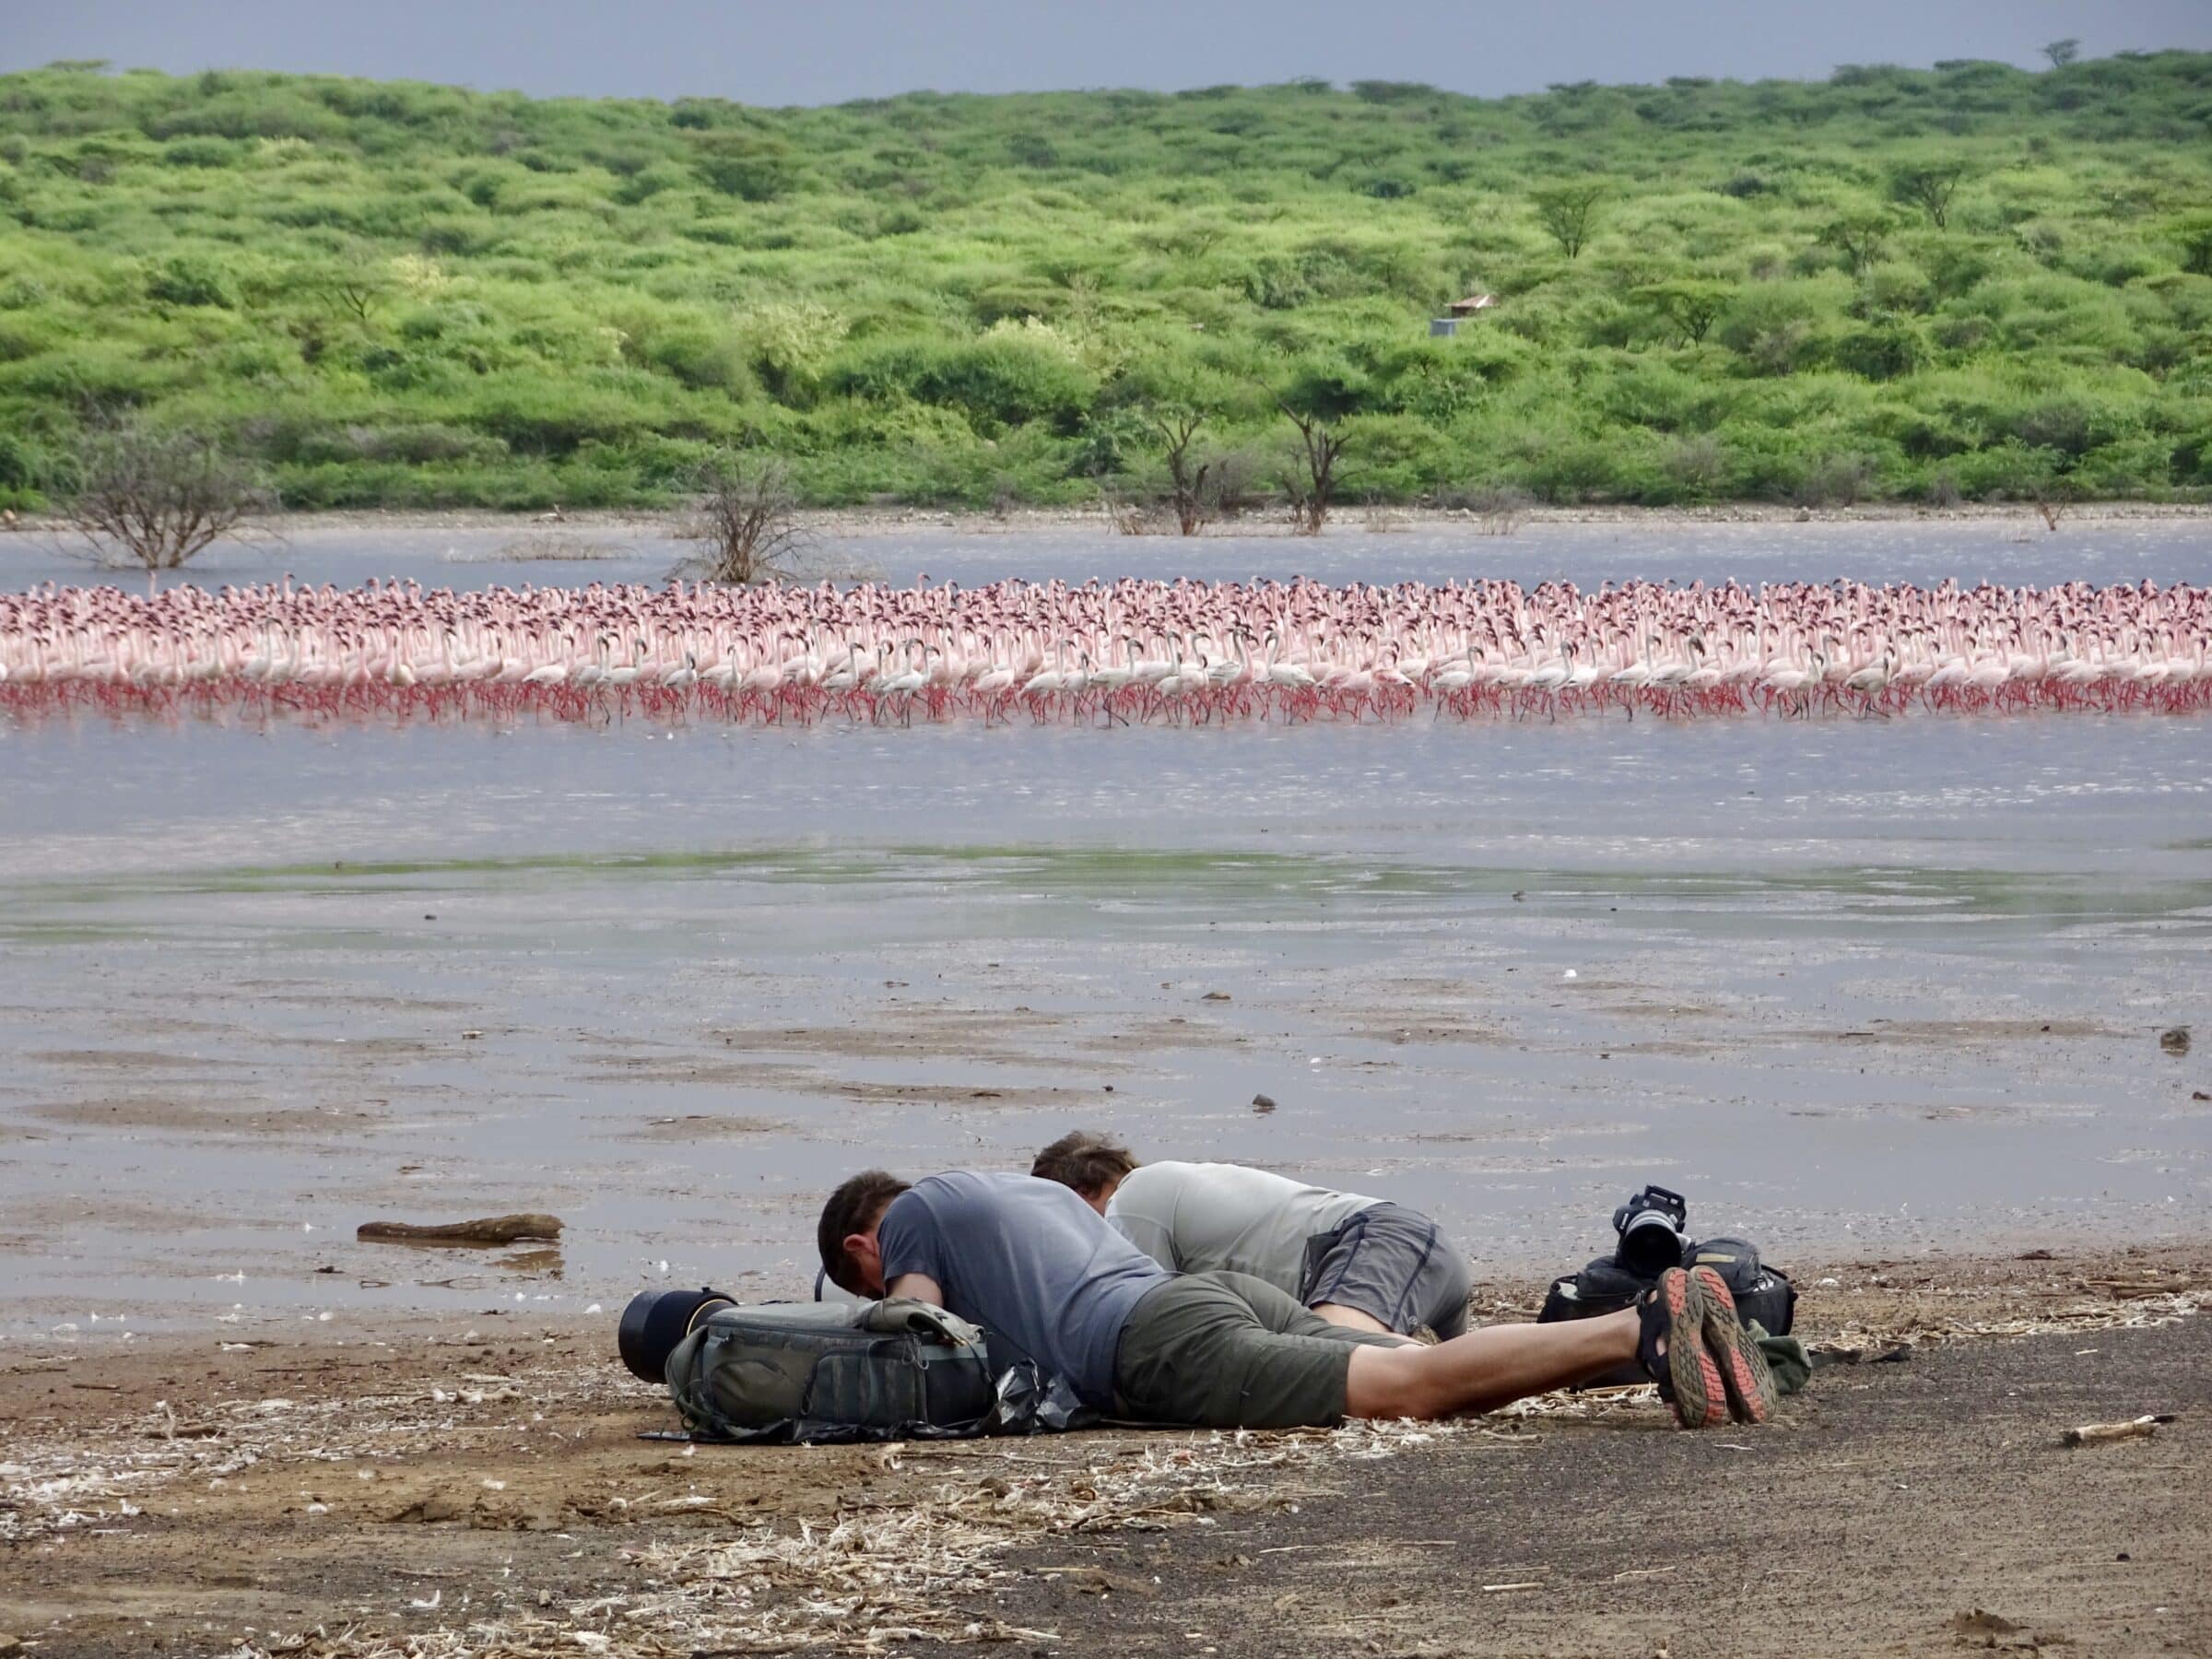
x: 911, y: 1209
x: 1168, y: 1172
x: 1143, y: 1182
x: 952, y: 1193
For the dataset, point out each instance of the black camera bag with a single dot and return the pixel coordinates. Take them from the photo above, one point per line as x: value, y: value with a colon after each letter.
x: 1762, y: 1293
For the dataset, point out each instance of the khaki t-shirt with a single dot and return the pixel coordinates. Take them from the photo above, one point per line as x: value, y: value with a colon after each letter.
x: 1218, y: 1218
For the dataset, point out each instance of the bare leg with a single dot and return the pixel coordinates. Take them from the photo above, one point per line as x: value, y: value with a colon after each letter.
x: 1351, y: 1318
x: 1486, y: 1369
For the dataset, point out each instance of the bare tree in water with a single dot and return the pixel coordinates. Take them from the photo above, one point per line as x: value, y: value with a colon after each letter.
x: 1178, y: 431
x: 159, y: 499
x: 747, y: 518
x: 1313, y: 486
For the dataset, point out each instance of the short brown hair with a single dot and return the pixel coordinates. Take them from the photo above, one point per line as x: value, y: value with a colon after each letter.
x: 853, y: 1209
x: 1090, y: 1163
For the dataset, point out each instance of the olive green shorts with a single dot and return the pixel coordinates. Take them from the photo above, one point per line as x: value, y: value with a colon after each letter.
x: 1226, y: 1350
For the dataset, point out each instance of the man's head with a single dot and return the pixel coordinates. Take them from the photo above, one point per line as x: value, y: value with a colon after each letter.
x: 846, y: 1233
x: 1090, y: 1163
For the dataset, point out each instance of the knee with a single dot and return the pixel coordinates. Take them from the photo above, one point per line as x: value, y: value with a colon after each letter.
x: 1391, y: 1383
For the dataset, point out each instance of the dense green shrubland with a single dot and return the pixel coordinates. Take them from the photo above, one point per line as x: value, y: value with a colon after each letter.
x: 1966, y: 283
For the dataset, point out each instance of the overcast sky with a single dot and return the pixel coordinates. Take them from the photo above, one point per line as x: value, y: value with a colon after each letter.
x: 779, y: 52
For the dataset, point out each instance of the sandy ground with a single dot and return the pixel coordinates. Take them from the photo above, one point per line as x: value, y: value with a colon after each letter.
x: 445, y: 1488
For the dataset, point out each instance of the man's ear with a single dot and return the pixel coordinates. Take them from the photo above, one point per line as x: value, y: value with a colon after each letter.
x: 863, y: 1253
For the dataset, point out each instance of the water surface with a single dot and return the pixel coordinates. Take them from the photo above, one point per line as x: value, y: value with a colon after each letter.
x: 1861, y: 987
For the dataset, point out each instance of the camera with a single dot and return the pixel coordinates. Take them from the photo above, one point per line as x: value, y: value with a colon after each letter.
x: 656, y: 1321
x: 1652, y: 1226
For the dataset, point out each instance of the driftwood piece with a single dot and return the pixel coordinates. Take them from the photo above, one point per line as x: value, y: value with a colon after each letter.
x: 2140, y: 1428
x: 490, y: 1230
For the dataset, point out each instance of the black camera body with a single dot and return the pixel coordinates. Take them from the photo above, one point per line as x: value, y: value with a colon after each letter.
x: 1653, y: 1226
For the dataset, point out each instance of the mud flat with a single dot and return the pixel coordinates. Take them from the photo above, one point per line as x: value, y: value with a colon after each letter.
x: 478, y: 1488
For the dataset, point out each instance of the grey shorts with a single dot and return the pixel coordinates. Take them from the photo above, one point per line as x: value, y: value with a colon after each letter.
x: 1226, y: 1350
x: 1393, y: 1264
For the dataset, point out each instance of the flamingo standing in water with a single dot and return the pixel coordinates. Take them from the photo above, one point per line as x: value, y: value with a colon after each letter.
x: 1128, y: 650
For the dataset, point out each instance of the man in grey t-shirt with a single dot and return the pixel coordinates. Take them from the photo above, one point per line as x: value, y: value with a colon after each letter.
x: 1041, y: 1272
x: 1363, y: 1263
x: 1059, y: 1289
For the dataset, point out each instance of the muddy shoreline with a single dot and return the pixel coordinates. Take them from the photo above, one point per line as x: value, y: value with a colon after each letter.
x: 1350, y: 519
x: 435, y: 1488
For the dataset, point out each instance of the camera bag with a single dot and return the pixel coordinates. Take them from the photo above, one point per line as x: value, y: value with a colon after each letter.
x: 1762, y: 1293
x: 833, y: 1371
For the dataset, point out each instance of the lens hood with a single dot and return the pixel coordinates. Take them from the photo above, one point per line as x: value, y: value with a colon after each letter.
x: 656, y: 1321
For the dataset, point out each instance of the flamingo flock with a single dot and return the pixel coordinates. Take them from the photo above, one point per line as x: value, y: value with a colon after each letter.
x: 1109, y: 652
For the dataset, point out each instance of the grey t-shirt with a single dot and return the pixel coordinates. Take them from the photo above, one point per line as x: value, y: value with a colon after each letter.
x: 1028, y: 1261
x: 1218, y: 1218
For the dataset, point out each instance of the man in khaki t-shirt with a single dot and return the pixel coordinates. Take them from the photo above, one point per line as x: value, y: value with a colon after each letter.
x: 1363, y: 1263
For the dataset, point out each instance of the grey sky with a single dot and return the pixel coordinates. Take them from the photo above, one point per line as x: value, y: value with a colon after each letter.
x: 776, y: 51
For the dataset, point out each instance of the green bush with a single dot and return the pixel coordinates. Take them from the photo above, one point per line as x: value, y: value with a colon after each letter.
x: 419, y: 295
x: 186, y: 280
x: 21, y: 467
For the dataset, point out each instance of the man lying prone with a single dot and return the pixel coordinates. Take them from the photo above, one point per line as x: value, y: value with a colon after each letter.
x: 1044, y: 1273
x: 1363, y: 1263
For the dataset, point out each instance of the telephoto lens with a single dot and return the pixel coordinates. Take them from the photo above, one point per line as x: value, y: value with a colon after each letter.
x: 1651, y: 1226
x: 656, y: 1321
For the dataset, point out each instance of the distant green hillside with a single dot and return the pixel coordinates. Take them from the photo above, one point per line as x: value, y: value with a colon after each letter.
x: 1963, y: 283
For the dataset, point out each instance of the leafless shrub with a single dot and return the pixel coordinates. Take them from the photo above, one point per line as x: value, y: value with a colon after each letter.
x: 1233, y: 489
x: 1835, y: 481
x: 1131, y: 517
x: 746, y: 520
x: 545, y: 547
x: 1379, y: 520
x: 1497, y: 507
x: 157, y: 499
x: 2053, y: 497
x: 1697, y: 464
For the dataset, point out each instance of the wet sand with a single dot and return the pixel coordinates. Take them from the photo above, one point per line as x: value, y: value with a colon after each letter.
x: 679, y: 1063
x: 477, y: 1487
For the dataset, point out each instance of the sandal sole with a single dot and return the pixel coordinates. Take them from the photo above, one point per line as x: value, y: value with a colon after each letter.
x: 1746, y: 1380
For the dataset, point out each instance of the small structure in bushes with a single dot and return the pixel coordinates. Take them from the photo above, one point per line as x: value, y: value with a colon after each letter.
x: 1461, y: 311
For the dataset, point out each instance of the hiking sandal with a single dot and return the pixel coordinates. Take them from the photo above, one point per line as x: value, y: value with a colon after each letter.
x: 1673, y: 1312
x: 1745, y: 1375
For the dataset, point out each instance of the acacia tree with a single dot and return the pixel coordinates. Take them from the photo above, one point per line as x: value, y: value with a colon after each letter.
x: 159, y: 499
x: 1860, y: 235
x: 356, y: 282
x: 1569, y: 212
x: 2062, y: 52
x: 1929, y: 186
x: 1691, y: 305
x: 1312, y: 485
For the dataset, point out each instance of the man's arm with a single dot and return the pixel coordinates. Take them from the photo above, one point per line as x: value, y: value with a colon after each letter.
x: 919, y: 1287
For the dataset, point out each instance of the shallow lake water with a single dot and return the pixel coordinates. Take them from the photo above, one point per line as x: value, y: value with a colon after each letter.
x: 1861, y: 988
x: 2011, y: 549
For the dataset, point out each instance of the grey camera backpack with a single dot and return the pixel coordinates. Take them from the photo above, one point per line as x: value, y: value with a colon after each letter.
x: 831, y: 1372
